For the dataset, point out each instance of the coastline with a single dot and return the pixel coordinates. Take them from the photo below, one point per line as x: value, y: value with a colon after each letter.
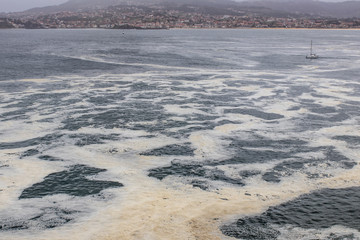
x: 142, y: 29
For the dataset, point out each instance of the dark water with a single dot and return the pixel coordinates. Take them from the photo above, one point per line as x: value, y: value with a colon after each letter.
x: 321, y: 210
x: 97, y: 128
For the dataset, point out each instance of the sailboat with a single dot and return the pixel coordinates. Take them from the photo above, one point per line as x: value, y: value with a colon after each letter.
x: 312, y: 55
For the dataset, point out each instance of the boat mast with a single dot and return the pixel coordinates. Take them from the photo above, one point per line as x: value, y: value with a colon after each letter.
x: 311, y: 48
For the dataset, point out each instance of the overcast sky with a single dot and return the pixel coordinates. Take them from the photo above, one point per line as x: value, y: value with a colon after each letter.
x: 20, y: 5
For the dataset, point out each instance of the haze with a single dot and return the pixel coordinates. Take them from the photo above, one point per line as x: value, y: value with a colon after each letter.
x: 21, y: 5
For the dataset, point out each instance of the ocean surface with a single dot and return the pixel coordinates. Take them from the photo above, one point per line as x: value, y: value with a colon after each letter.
x: 179, y: 134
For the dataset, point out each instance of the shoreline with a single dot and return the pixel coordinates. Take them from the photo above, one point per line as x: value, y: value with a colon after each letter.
x: 142, y: 29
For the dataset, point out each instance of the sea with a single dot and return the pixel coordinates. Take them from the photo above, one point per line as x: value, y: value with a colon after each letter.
x: 179, y: 134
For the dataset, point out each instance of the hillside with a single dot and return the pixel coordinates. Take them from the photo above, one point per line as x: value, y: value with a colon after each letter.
x: 345, y: 9
x: 276, y: 8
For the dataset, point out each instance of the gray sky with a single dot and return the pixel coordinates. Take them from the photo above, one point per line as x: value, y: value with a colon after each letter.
x: 20, y: 5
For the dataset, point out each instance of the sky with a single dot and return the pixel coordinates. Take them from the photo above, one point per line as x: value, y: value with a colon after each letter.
x: 21, y: 5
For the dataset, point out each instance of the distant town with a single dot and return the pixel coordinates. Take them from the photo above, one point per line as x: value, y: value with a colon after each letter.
x: 136, y: 17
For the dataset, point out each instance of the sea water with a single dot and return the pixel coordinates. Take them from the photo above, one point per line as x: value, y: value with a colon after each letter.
x: 179, y: 134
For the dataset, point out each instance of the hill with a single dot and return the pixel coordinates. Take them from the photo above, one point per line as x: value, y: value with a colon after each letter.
x: 276, y: 8
x: 345, y: 9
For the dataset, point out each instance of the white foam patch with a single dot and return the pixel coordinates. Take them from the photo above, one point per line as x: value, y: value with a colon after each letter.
x: 18, y: 131
x: 178, y: 110
x: 98, y: 59
x: 37, y: 80
x: 337, y: 232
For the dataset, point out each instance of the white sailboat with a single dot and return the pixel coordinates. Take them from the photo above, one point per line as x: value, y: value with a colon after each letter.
x: 312, y: 55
